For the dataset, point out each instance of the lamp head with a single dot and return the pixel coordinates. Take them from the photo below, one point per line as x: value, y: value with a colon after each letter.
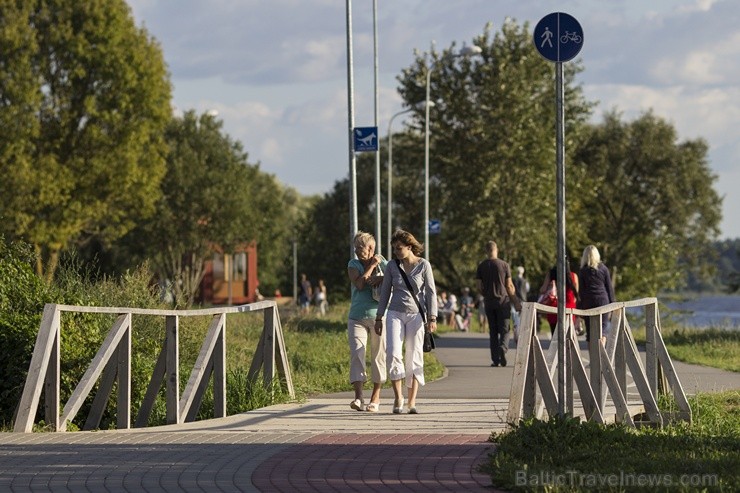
x: 470, y: 50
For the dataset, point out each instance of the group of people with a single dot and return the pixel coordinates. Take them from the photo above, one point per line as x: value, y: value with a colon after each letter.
x: 457, y: 314
x: 405, y: 305
x: 308, y: 295
x: 395, y: 323
x: 591, y: 288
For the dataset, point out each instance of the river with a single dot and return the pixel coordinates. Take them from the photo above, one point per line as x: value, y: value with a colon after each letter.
x: 710, y: 310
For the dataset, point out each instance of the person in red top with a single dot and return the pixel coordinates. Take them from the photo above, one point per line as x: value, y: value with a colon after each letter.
x: 571, y: 292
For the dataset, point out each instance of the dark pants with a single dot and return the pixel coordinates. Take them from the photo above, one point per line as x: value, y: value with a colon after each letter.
x: 498, y: 330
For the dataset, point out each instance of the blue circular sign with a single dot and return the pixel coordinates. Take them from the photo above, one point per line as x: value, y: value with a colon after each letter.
x: 558, y: 37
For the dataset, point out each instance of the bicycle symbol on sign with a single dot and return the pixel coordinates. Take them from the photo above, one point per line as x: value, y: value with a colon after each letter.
x: 572, y: 36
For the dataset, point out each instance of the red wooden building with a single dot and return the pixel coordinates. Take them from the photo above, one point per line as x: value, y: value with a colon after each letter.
x: 230, y: 276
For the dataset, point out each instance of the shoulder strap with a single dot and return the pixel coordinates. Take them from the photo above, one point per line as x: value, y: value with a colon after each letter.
x: 411, y: 290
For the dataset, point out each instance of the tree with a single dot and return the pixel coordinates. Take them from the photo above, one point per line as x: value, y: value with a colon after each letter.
x: 647, y: 201
x: 84, y: 98
x: 210, y: 197
x: 492, y: 154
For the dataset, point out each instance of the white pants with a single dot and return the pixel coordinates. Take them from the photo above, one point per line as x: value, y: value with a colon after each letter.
x: 405, y: 329
x: 357, y: 331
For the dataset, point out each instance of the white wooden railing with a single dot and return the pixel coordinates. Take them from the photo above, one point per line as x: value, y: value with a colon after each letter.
x: 533, y: 388
x: 113, y: 361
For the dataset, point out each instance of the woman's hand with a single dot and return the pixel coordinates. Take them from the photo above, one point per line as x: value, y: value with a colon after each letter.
x: 432, y: 325
x: 375, y: 281
x: 379, y: 327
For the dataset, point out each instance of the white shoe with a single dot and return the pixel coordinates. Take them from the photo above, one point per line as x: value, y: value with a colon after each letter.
x: 358, y: 405
x: 398, y: 409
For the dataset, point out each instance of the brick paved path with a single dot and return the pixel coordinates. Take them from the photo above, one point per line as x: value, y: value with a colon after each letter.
x: 367, y: 463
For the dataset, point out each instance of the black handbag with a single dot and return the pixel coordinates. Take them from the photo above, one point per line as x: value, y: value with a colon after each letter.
x: 428, y: 337
x: 428, y: 341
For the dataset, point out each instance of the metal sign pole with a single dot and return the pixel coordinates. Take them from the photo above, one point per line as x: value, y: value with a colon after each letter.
x: 378, y: 224
x: 558, y: 37
x: 561, y: 270
x: 350, y: 131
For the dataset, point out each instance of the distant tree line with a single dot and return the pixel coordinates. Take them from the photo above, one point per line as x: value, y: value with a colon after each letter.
x: 724, y: 256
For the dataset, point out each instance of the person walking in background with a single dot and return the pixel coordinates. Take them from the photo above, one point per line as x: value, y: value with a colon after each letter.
x: 363, y: 275
x: 521, y: 286
x: 320, y: 298
x: 445, y: 308
x: 304, y: 297
x: 466, y: 310
x: 409, y: 294
x: 596, y: 286
x: 571, y: 292
x: 480, y: 304
x: 494, y: 283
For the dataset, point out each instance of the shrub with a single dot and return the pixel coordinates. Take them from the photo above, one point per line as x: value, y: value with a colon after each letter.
x: 22, y: 298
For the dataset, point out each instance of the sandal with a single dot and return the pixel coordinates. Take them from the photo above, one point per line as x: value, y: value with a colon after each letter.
x: 373, y: 407
x: 357, y: 405
x: 398, y: 409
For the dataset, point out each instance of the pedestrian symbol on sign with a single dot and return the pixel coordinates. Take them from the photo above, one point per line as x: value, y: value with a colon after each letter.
x: 548, y: 37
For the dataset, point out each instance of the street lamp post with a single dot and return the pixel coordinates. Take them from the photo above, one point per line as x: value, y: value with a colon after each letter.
x: 465, y: 51
x: 389, y: 224
x: 390, y: 180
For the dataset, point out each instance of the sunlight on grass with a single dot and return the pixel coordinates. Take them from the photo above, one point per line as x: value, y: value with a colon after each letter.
x: 566, y: 455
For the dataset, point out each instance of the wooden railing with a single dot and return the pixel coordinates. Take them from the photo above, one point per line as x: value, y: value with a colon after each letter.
x: 533, y: 388
x: 113, y: 361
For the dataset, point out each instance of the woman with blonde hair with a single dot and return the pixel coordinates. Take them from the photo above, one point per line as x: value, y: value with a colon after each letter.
x: 365, y: 272
x: 408, y: 290
x: 595, y: 286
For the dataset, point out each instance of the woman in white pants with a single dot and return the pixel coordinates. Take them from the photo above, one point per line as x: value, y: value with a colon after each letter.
x: 363, y: 274
x: 405, y: 324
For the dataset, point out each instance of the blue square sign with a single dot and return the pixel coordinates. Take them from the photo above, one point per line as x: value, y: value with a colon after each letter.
x: 366, y: 139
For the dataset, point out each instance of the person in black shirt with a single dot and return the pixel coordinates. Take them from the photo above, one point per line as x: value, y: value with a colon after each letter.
x: 494, y: 283
x: 596, y: 286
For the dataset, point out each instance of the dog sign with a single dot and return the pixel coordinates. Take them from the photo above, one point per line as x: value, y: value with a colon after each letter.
x: 366, y: 139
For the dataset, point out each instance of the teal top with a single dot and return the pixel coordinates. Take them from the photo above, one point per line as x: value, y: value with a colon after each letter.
x: 362, y: 304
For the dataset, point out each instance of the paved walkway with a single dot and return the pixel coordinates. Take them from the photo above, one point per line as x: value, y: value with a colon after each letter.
x: 320, y: 445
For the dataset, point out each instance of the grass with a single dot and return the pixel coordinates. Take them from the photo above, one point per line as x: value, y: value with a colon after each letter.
x: 318, y: 357
x: 318, y: 352
x: 717, y: 347
x: 565, y: 455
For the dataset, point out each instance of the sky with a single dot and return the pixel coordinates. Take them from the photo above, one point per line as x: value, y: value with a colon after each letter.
x: 276, y: 70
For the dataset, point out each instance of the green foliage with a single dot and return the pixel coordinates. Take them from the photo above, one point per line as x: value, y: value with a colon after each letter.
x: 22, y: 298
x: 492, y: 156
x: 537, y: 452
x: 323, y: 237
x: 211, y: 198
x: 492, y: 152
x: 82, y: 334
x: 648, y: 202
x: 85, y: 97
x: 644, y: 198
x: 725, y: 276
